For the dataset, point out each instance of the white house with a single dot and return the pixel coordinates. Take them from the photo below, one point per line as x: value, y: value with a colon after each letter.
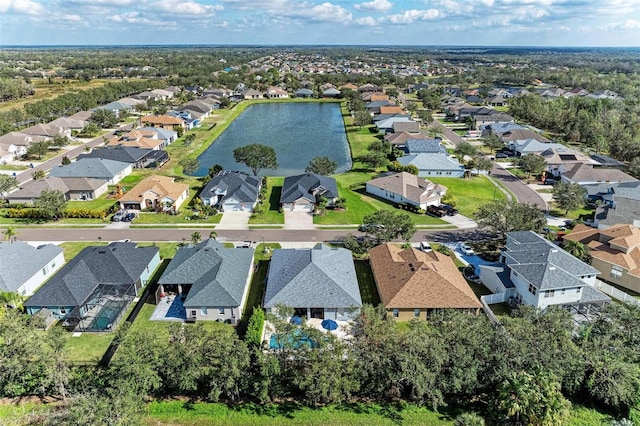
x: 24, y: 268
x: 405, y: 188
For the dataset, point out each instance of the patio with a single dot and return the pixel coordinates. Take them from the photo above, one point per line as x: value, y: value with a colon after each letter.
x: 170, y: 308
x: 341, y: 332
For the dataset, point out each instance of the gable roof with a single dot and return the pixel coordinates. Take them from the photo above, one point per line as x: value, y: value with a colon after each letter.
x: 233, y: 184
x: 415, y: 146
x: 218, y: 274
x: 409, y: 278
x: 319, y: 277
x: 21, y: 261
x: 409, y: 186
x: 402, y: 137
x: 116, y: 264
x: 586, y: 172
x: 304, y: 186
x: 542, y: 263
x: 163, y: 120
x: 521, y: 134
x: 432, y: 161
x: 125, y: 154
x: 33, y: 188
x: 409, y: 126
x: 98, y: 168
x: 162, y: 186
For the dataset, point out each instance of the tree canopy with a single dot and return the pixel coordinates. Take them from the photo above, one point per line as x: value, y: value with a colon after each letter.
x: 569, y: 195
x: 387, y: 225
x: 321, y: 166
x: 502, y: 216
x: 256, y: 157
x: 50, y: 204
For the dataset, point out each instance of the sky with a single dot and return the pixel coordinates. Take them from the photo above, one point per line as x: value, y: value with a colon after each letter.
x: 613, y: 23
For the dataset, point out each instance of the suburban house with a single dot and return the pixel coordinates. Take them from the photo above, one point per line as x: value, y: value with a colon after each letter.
x: 97, y: 168
x: 24, y: 267
x: 275, y: 92
x: 73, y: 188
x: 531, y: 146
x: 252, y: 94
x: 536, y: 272
x: 621, y: 203
x: 17, y: 143
x: 400, y: 139
x: 232, y: 191
x: 304, y: 93
x: 318, y: 283
x: 138, y: 157
x: 500, y: 128
x: 331, y: 92
x: 585, y: 174
x: 614, y: 251
x: 482, y: 120
x: 522, y: 134
x: 47, y: 130
x: 95, y: 288
x: 116, y: 107
x: 304, y: 192
x: 406, y: 126
x: 139, y: 139
x: 386, y: 126
x: 157, y: 193
x: 560, y: 159
x: 69, y: 123
x: 162, y: 121
x: 405, y: 188
x: 431, y: 159
x: 415, y: 284
x: 213, y: 280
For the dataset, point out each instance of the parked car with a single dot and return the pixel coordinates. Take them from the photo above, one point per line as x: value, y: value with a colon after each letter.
x: 129, y: 217
x: 425, y: 246
x: 466, y: 249
x: 449, y: 209
x: 246, y: 244
x: 502, y: 155
x: 366, y: 227
x: 436, y: 211
x: 117, y: 217
x: 549, y: 182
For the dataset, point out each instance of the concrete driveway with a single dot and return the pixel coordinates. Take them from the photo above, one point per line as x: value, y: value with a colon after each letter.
x: 460, y: 221
x: 298, y: 220
x: 234, y: 220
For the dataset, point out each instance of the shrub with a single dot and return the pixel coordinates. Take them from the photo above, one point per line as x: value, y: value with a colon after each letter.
x: 468, y: 419
x: 253, y: 336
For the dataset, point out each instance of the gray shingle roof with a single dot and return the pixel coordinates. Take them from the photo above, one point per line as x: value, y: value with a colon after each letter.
x: 20, y: 261
x: 303, y: 186
x: 124, y: 154
x: 90, y: 167
x: 415, y: 146
x: 431, y: 161
x: 117, y: 263
x: 543, y: 263
x: 239, y: 185
x: 319, y: 277
x: 218, y: 274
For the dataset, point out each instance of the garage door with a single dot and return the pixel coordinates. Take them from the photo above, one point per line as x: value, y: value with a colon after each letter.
x: 232, y: 207
x: 304, y: 207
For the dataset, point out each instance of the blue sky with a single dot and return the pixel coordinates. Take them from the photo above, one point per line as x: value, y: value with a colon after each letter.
x: 373, y: 22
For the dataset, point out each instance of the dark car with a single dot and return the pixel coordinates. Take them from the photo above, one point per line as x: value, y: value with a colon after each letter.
x: 129, y: 217
x: 450, y: 210
x: 549, y: 181
x: 436, y: 211
x: 502, y: 155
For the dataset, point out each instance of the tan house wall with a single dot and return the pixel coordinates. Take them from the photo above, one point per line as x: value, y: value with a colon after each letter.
x: 627, y: 281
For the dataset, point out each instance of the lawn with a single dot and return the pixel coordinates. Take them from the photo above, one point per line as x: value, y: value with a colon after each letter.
x: 100, y: 203
x: 181, y: 217
x: 167, y: 250
x: 204, y: 414
x: 270, y: 207
x: 470, y: 193
x: 366, y: 282
x: 583, y: 213
x: 71, y: 249
x: 256, y: 291
x: 359, y: 204
x: 88, y: 347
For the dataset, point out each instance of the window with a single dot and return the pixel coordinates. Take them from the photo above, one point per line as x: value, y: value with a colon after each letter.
x: 53, y: 264
x: 220, y: 311
x: 549, y: 293
x: 562, y: 291
x: 532, y: 289
x: 44, y: 271
x: 396, y: 312
x: 203, y: 311
x: 193, y: 314
x: 578, y: 289
x: 63, y: 311
x: 416, y: 313
x: 616, y: 272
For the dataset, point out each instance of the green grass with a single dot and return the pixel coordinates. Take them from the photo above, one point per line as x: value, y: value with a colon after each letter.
x: 271, y: 205
x: 261, y: 254
x: 501, y: 309
x: 470, y: 193
x: 583, y: 416
x: 366, y: 282
x: 100, y: 203
x: 573, y: 214
x: 88, y: 347
x: 161, y: 218
x: 167, y: 250
x: 205, y: 414
x: 479, y: 289
x: 71, y: 249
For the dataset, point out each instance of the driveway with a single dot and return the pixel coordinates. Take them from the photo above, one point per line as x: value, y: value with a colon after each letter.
x: 234, y: 220
x: 460, y: 221
x: 298, y: 220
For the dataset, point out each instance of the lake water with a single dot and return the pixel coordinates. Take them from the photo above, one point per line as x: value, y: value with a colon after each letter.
x: 297, y: 131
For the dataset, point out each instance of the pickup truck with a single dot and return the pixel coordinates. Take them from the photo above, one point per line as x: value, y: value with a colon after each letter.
x: 436, y: 211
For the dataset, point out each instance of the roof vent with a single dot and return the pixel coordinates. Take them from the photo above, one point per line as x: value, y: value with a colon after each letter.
x: 552, y: 268
x: 102, y: 251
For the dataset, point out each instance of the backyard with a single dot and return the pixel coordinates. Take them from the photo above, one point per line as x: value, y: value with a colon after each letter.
x: 269, y: 211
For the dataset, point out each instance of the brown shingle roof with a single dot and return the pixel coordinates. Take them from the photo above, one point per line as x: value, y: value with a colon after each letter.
x: 411, y: 279
x: 584, y: 172
x: 162, y: 186
x: 409, y: 186
x: 401, y: 137
x: 162, y: 120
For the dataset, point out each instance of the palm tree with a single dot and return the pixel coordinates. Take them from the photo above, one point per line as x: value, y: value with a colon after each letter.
x: 10, y: 233
x: 578, y: 249
x: 213, y: 235
x: 196, y: 237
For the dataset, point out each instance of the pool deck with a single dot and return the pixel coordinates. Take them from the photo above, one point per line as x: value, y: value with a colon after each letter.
x: 170, y: 308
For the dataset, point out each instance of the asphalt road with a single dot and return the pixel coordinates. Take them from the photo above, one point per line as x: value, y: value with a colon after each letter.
x: 523, y: 193
x: 257, y: 235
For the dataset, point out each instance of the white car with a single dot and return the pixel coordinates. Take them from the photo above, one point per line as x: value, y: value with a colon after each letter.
x: 466, y: 249
x: 425, y: 246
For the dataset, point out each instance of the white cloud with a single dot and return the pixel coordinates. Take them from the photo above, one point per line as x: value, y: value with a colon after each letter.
x: 411, y: 16
x: 379, y: 5
x: 367, y: 21
x: 324, y: 12
x: 186, y: 8
x: 22, y: 7
x: 105, y: 3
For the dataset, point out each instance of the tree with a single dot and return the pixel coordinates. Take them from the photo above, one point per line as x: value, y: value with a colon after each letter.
x: 256, y: 157
x: 37, y: 149
x: 104, y: 118
x: 214, y: 170
x: 38, y: 174
x: 60, y: 141
x: 493, y: 142
x: 468, y: 419
x: 387, y: 225
x: 633, y: 168
x: 189, y: 165
x: 253, y: 335
x: 196, y: 237
x: 9, y: 233
x: 50, y: 204
x: 65, y: 161
x: 361, y: 118
x: 569, y: 196
x: 374, y: 159
x: 188, y: 139
x: 482, y: 163
x: 465, y: 149
x: 502, y: 216
x: 425, y: 116
x: 321, y: 166
x: 7, y: 183
x: 213, y: 235
x: 532, y: 164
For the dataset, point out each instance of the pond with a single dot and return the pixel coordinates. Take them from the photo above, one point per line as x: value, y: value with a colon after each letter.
x: 297, y: 131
